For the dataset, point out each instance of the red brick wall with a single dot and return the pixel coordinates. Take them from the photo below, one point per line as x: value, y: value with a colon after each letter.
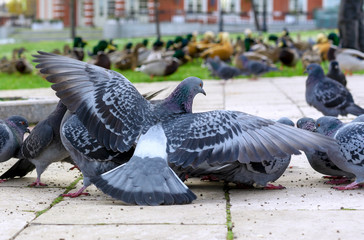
x: 312, y: 5
x: 281, y: 6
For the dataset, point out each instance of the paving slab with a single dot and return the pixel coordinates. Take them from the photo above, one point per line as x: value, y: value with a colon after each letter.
x: 306, y: 209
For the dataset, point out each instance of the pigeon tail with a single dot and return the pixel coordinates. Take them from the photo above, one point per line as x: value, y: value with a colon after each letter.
x: 21, y: 168
x: 134, y: 183
x: 146, y: 179
x: 355, y: 109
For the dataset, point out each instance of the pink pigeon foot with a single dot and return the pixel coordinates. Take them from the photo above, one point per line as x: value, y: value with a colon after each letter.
x: 77, y: 194
x: 37, y: 183
x: 273, y: 187
x: 351, y: 186
x: 74, y: 167
x: 210, y: 178
x: 333, y: 177
x: 338, y: 181
x: 2, y: 180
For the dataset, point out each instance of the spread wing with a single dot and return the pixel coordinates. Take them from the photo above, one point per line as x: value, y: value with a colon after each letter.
x: 105, y: 101
x: 227, y: 136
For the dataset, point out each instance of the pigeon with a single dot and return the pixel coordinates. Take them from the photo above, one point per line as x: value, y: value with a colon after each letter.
x: 90, y: 157
x: 319, y: 160
x: 335, y: 73
x: 350, y: 138
x: 253, y: 174
x: 12, y: 132
x: 254, y: 68
x: 116, y: 114
x: 43, y: 146
x: 220, y: 69
x: 146, y: 179
x: 327, y: 95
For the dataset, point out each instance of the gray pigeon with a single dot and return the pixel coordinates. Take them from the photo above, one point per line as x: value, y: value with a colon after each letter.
x: 146, y: 179
x: 254, y: 68
x: 43, y: 146
x: 12, y: 132
x: 335, y: 73
x: 327, y: 95
x: 319, y: 160
x: 350, y: 138
x: 90, y: 157
x: 222, y: 70
x: 116, y: 114
x: 359, y: 118
x: 253, y: 174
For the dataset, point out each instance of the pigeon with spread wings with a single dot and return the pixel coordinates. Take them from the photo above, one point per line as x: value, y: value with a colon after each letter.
x: 116, y: 114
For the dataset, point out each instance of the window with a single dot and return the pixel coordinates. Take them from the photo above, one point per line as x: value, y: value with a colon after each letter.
x: 101, y: 7
x: 143, y: 6
x: 111, y: 8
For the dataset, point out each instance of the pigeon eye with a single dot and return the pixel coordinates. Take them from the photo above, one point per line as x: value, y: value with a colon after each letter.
x: 318, y: 124
x: 200, y: 84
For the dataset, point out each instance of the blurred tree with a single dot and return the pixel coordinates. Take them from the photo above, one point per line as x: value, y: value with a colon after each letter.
x: 351, y: 24
x: 25, y: 7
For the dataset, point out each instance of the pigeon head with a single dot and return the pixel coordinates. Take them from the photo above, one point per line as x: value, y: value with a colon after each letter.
x: 315, y: 69
x: 334, y: 66
x: 19, y: 123
x: 328, y: 125
x: 307, y: 123
x: 286, y: 121
x: 182, y: 97
x: 359, y: 118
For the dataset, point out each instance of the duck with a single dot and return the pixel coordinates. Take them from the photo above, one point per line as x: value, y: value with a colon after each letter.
x: 116, y: 56
x: 102, y: 46
x: 322, y: 46
x: 249, y: 40
x: 159, y: 67
x: 350, y: 60
x: 288, y: 55
x: 310, y: 56
x: 22, y: 65
x: 129, y: 60
x: 7, y: 66
x: 78, y: 48
x: 223, y: 49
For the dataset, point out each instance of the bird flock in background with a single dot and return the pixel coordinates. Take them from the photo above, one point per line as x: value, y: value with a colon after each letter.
x: 226, y: 58
x: 140, y: 150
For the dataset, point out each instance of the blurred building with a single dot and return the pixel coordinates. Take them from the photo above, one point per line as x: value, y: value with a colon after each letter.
x: 97, y: 12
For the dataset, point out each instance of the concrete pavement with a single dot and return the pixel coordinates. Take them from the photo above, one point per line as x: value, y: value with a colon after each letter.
x: 306, y: 209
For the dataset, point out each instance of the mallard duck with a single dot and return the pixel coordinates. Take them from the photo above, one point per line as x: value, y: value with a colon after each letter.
x: 7, y: 66
x: 322, y: 46
x: 223, y: 50
x: 101, y: 46
x: 129, y: 60
x: 78, y: 48
x: 248, y: 41
x: 288, y: 55
x: 350, y: 60
x: 102, y: 60
x: 159, y: 67
x: 310, y: 56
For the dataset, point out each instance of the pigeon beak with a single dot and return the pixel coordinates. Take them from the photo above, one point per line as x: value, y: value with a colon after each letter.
x: 203, y: 91
x: 305, y: 71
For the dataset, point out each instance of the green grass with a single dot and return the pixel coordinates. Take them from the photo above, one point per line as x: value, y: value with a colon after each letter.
x: 34, y: 80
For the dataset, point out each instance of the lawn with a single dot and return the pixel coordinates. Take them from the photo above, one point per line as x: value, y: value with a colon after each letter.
x: 34, y: 80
